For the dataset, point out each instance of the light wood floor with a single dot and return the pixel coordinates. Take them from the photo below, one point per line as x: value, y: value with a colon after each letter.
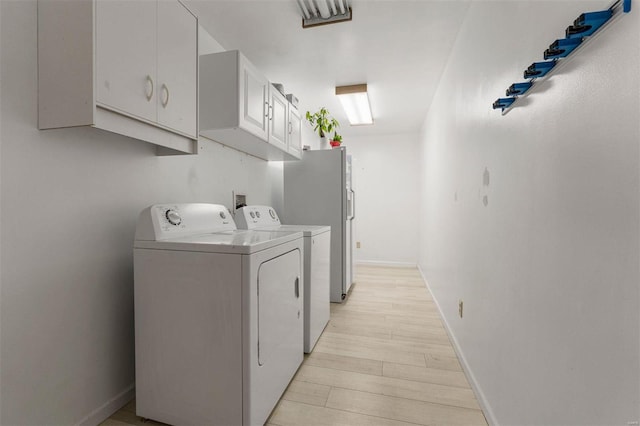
x: 383, y: 359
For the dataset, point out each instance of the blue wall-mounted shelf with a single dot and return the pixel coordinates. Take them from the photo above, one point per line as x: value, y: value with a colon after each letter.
x: 576, y: 37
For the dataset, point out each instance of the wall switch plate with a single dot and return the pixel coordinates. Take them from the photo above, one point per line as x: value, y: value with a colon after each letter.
x: 460, y: 307
x: 357, y: 244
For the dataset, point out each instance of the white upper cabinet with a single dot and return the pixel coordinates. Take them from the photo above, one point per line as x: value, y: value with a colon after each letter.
x: 295, y: 132
x: 240, y: 109
x: 129, y: 67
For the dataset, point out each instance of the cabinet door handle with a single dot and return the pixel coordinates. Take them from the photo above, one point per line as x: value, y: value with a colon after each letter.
x: 297, y: 287
x: 266, y: 109
x: 270, y: 112
x: 290, y: 127
x: 149, y: 93
x: 165, y: 91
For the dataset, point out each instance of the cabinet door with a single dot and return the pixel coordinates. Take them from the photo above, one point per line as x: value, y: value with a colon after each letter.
x: 278, y: 119
x: 177, y: 68
x: 126, y: 57
x: 254, y: 105
x: 295, y: 132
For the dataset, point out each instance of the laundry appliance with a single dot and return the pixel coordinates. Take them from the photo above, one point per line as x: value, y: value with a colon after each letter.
x: 318, y: 191
x: 317, y: 251
x: 218, y: 316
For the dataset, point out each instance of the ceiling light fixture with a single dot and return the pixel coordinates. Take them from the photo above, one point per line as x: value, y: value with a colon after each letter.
x: 355, y: 102
x: 323, y: 12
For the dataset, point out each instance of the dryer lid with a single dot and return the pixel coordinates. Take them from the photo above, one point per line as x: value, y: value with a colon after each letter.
x: 307, y: 230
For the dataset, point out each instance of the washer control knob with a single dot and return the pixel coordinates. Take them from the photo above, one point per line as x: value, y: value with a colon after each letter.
x: 173, y: 217
x: 252, y: 214
x: 258, y: 214
x: 222, y: 215
x: 272, y: 213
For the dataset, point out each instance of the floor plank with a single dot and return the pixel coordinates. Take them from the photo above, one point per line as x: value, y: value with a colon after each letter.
x: 430, y: 375
x: 376, y: 343
x: 307, y: 392
x: 289, y: 413
x: 390, y: 386
x: 339, y: 362
x: 369, y: 352
x: 402, y: 409
x: 442, y: 362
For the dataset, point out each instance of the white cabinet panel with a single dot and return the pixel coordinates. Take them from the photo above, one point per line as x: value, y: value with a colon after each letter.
x: 126, y: 76
x: 278, y: 120
x: 253, y: 92
x: 317, y: 274
x: 295, y: 132
x: 177, y: 68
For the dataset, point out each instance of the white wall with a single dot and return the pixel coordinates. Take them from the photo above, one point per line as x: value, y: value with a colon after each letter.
x: 548, y: 263
x: 385, y: 180
x: 70, y: 199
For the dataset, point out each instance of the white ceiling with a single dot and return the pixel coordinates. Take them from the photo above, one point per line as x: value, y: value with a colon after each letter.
x: 398, y: 47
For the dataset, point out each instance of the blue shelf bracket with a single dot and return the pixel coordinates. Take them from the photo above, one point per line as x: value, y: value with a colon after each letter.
x: 503, y: 103
x: 517, y: 89
x: 539, y: 69
x: 587, y: 24
x: 577, y: 35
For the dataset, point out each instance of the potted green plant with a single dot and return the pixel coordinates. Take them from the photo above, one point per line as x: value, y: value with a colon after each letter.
x: 322, y: 122
x: 336, y: 140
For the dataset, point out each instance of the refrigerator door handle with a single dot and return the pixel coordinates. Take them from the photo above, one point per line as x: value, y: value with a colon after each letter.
x: 353, y: 204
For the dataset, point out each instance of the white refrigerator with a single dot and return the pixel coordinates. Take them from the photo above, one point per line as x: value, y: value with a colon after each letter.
x: 318, y: 191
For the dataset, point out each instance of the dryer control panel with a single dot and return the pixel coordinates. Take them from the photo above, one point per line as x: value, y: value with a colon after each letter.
x: 252, y: 217
x: 164, y: 221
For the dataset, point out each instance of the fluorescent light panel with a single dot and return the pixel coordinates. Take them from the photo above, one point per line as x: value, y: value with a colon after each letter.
x: 355, y: 103
x: 323, y: 12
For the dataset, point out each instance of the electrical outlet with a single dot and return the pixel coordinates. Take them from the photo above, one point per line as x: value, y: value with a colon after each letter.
x: 239, y: 200
x: 460, y: 307
x: 357, y: 244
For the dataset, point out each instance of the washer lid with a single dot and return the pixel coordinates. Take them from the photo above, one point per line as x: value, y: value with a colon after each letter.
x: 236, y: 242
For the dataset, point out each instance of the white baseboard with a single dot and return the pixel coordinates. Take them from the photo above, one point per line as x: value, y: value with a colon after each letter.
x: 387, y: 264
x: 484, y: 404
x: 103, y: 412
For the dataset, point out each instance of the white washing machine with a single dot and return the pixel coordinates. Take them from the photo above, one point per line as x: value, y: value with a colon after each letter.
x: 218, y: 316
x: 317, y: 267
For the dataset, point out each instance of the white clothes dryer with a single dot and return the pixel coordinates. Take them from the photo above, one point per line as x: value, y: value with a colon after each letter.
x: 218, y: 322
x: 317, y: 266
